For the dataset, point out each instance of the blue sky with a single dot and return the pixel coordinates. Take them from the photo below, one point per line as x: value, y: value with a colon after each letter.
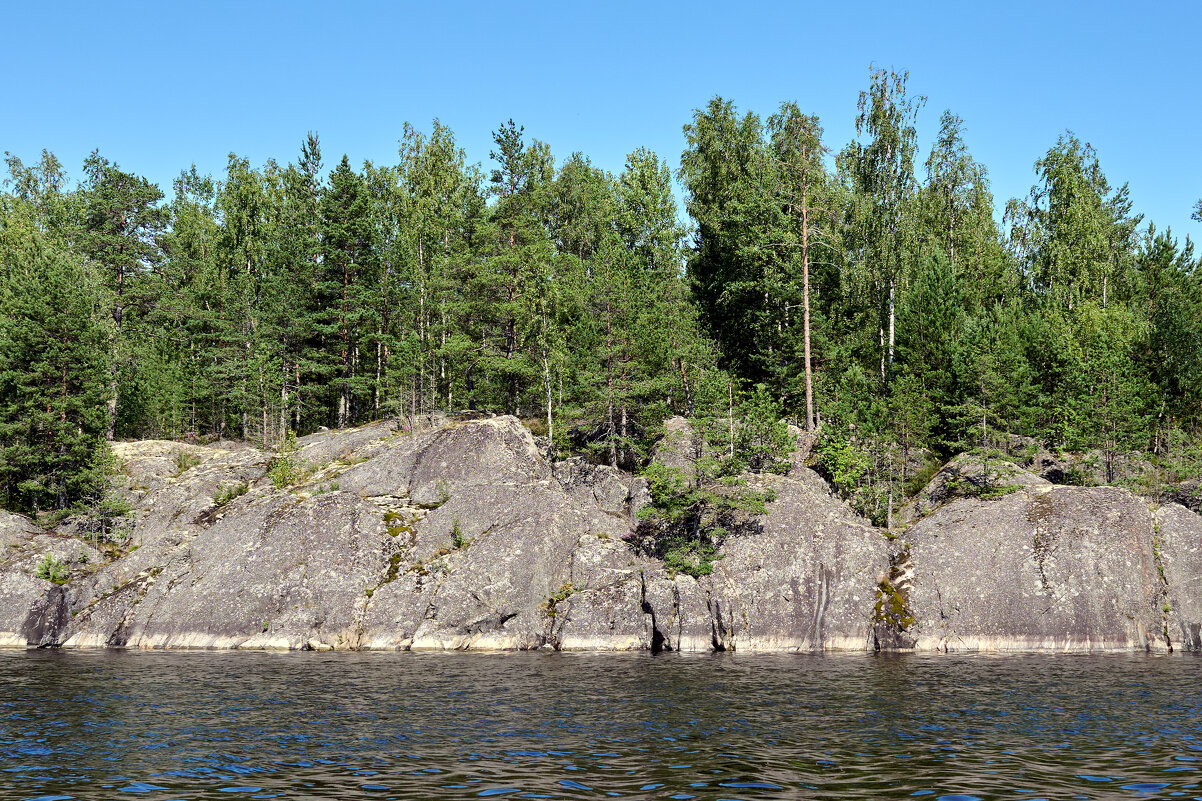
x: 157, y: 86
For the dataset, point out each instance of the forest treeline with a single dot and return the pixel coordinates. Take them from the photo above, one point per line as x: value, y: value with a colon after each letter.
x: 870, y: 293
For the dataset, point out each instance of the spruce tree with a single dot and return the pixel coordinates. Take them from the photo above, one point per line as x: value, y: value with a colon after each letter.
x: 54, y: 378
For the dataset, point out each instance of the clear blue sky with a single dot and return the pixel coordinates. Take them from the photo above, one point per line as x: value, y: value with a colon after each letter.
x: 158, y: 86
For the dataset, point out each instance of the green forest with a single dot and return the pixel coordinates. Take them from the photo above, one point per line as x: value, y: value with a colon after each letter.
x: 866, y: 292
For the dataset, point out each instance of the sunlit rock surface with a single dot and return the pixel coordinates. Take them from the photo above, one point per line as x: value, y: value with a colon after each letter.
x: 459, y: 534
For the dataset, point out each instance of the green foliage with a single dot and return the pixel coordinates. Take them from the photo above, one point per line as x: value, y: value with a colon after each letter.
x: 458, y: 540
x: 184, y: 461
x: 230, y: 492
x: 917, y: 481
x: 107, y: 517
x: 288, y: 470
x: 54, y: 363
x: 986, y: 489
x: 53, y: 570
x: 562, y: 594
x: 691, y: 513
x: 845, y: 464
x: 288, y: 297
x: 763, y: 442
x: 890, y: 608
x: 691, y: 557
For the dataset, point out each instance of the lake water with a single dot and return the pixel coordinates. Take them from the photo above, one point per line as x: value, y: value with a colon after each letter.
x: 403, y: 725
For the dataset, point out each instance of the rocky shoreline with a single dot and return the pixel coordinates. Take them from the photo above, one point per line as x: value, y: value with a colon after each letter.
x: 461, y: 535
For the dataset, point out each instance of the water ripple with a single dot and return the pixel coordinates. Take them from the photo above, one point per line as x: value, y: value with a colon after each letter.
x: 410, y: 726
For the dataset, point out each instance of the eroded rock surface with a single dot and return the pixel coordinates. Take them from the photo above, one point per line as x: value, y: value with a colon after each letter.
x: 446, y: 534
x: 806, y: 581
x: 1042, y: 567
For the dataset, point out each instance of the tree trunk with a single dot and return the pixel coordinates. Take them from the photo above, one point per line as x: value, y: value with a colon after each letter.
x: 730, y: 389
x: 111, y: 433
x: 379, y: 374
x: 892, y: 320
x: 421, y: 328
x: 609, y: 384
x: 245, y: 390
x: 115, y: 367
x: 805, y: 304
x: 298, y: 395
x: 263, y: 439
x: 344, y: 337
x: 550, y: 421
x: 284, y: 403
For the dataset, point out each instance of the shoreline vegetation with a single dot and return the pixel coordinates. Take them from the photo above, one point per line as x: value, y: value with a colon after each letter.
x: 847, y: 330
x: 869, y: 292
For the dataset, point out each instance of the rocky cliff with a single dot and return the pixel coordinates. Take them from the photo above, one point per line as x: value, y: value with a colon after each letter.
x: 461, y: 535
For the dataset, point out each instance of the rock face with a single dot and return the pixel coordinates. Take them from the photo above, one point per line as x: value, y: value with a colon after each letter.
x: 1177, y: 543
x: 1026, y: 565
x: 805, y: 582
x: 460, y: 535
x: 33, y: 610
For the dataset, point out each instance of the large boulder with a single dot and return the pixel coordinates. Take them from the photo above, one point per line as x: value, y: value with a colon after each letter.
x: 273, y: 572
x: 1187, y: 493
x: 969, y: 476
x: 459, y: 537
x: 803, y: 578
x: 609, y: 489
x: 1038, y: 568
x: 174, y: 488
x: 33, y: 611
x: 455, y: 537
x: 497, y: 542
x: 680, y: 447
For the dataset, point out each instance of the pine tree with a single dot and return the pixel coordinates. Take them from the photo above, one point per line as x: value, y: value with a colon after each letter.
x: 121, y: 228
x: 737, y: 273
x: 298, y: 312
x: 518, y: 257
x: 798, y: 150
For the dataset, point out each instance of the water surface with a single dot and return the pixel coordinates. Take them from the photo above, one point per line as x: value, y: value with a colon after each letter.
x: 168, y: 725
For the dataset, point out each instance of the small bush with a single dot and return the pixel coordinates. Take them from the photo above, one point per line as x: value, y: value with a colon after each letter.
x: 457, y: 539
x: 917, y: 482
x: 287, y: 470
x: 561, y: 595
x: 993, y: 493
x: 685, y: 523
x: 763, y: 440
x: 693, y: 558
x: 229, y: 493
x: 105, y: 520
x: 844, y: 463
x: 185, y: 460
x: 53, y: 570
